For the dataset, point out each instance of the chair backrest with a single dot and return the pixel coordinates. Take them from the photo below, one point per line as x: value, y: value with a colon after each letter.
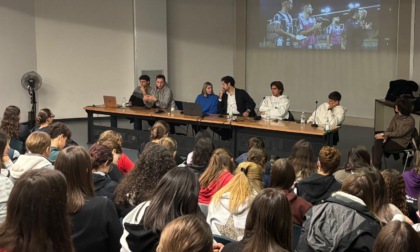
x: 222, y: 239
x: 291, y: 117
x: 414, y: 139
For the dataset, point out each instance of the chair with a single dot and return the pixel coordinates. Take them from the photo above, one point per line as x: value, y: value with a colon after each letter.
x: 291, y: 117
x: 222, y: 239
x: 408, y: 152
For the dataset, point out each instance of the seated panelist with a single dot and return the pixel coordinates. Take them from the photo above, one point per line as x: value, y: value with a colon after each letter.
x: 276, y: 105
x: 207, y: 99
x: 235, y: 100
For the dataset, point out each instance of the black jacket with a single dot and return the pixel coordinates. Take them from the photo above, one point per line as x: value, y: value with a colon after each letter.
x: 104, y: 186
x: 316, y: 187
x: 339, y: 224
x: 243, y: 102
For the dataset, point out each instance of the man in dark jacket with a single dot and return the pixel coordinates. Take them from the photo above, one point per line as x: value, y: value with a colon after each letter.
x: 235, y: 100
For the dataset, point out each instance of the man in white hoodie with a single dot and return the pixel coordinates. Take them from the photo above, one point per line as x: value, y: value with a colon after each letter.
x: 38, y: 146
x: 275, y: 106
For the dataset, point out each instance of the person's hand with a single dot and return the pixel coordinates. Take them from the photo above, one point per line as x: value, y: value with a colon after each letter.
x: 246, y: 114
x: 217, y: 247
x: 5, y: 158
x: 221, y: 92
x: 379, y: 136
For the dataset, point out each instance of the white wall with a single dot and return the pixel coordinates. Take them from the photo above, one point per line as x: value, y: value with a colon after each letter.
x: 84, y: 51
x: 416, y: 67
x: 17, y: 52
x: 200, y: 44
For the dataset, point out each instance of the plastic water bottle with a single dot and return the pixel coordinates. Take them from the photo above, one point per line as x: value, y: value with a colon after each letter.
x: 268, y: 116
x: 124, y: 102
x: 230, y: 112
x: 173, y: 106
x: 302, y: 118
x: 327, y: 126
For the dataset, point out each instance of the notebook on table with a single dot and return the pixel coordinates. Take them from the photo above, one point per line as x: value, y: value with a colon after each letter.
x: 192, y: 109
x: 111, y: 102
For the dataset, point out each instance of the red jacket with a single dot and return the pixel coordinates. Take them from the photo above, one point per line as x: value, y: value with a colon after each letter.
x: 207, y: 193
x: 125, y: 164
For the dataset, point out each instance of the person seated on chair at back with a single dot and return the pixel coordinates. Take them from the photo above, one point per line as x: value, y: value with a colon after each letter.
x: 38, y: 145
x: 331, y: 110
x: 136, y: 99
x: 59, y: 134
x: 398, y: 134
x: 235, y: 100
x: 275, y: 106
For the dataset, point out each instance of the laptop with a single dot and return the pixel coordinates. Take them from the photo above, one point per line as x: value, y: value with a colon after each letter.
x: 111, y: 102
x: 192, y: 109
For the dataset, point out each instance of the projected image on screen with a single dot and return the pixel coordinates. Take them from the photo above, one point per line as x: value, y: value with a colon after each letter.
x: 320, y: 24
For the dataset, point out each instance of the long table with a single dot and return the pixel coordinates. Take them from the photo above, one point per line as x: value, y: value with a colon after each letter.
x: 278, y: 136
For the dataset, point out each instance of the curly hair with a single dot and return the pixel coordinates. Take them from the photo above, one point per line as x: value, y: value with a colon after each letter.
x: 10, y: 121
x: 329, y: 158
x: 302, y: 159
x: 137, y: 186
x: 395, y: 187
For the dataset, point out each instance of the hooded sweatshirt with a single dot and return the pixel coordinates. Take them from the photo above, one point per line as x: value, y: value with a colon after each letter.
x: 226, y: 223
x: 299, y: 207
x: 316, y: 187
x: 104, y: 185
x: 412, y: 183
x: 207, y: 193
x: 28, y: 162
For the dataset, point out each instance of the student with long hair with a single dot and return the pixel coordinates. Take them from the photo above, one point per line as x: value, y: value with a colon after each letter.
x: 207, y: 99
x: 320, y: 185
x: 283, y: 176
x: 395, y: 189
x: 202, y: 151
x: 344, y: 222
x: 230, y: 205
x: 265, y: 229
x: 95, y: 223
x: 37, y: 218
x: 158, y: 130
x: 102, y: 157
x: 358, y: 157
x: 43, y: 120
x: 252, y: 142
x: 16, y: 131
x: 259, y: 156
x: 171, y: 145
x: 6, y: 184
x: 217, y: 174
x: 138, y: 185
x: 124, y: 164
x: 185, y: 234
x: 302, y: 159
x: 397, y: 236
x: 175, y: 195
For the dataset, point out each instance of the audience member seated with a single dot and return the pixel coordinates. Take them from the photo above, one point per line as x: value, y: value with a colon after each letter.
x: 38, y: 145
x: 137, y: 186
x: 202, y: 151
x: 217, y: 175
x: 102, y: 157
x: 6, y: 184
x: 230, y: 205
x: 207, y: 99
x: 252, y: 142
x: 171, y: 145
x: 124, y: 162
x: 95, y: 223
x: 258, y: 155
x: 16, y: 131
x: 320, y: 185
x: 157, y: 131
x: 185, y: 234
x: 276, y: 105
x: 397, y: 236
x: 265, y: 229
x: 38, y: 219
x: 302, y: 159
x: 175, y: 195
x: 282, y: 177
x: 412, y: 179
x: 5, y: 161
x: 344, y: 222
x: 44, y: 119
x: 358, y: 157
x: 398, y: 134
x: 114, y: 173
x: 200, y: 134
x: 59, y: 134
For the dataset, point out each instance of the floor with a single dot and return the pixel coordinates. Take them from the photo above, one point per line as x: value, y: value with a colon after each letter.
x: 349, y: 136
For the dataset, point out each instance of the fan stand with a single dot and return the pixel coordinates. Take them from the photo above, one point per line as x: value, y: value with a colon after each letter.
x: 32, y: 113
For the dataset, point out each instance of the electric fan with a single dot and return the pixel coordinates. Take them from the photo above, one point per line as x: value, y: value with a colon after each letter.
x: 31, y: 81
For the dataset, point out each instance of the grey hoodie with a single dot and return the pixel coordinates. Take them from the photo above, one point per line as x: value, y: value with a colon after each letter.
x: 28, y: 162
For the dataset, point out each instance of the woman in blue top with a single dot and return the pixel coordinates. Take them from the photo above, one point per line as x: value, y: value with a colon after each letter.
x: 207, y: 99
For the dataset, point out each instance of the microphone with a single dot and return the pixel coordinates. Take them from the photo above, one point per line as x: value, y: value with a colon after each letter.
x: 314, y: 124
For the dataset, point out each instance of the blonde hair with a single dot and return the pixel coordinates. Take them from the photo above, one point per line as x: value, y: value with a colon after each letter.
x: 110, y: 135
x: 220, y: 159
x: 169, y: 143
x: 38, y: 142
x: 243, y: 186
x: 186, y: 233
x: 205, y: 85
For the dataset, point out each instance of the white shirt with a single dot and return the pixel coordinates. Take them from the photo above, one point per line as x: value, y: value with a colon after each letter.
x: 277, y: 107
x: 335, y: 116
x: 231, y: 103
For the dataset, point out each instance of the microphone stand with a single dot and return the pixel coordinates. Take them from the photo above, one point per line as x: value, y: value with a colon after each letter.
x: 314, y: 125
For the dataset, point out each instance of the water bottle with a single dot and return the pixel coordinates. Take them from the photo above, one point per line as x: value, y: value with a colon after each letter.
x: 302, y: 118
x: 327, y: 126
x: 124, y: 102
x: 268, y: 116
x: 173, y: 107
x: 230, y: 112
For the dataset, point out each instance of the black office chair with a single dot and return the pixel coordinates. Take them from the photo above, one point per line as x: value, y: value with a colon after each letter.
x: 408, y: 152
x: 179, y: 106
x: 291, y: 117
